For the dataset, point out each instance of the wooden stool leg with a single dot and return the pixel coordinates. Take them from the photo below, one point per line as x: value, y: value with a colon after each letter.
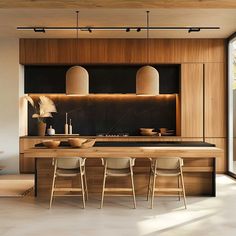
x: 82, y: 186
x: 149, y: 183
x: 103, y: 186
x: 182, y: 183
x: 53, y: 185
x: 178, y: 186
x: 86, y: 185
x: 132, y: 182
x: 153, y: 188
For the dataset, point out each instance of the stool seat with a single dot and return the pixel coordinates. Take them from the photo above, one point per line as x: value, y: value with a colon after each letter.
x: 117, y: 172
x: 67, y: 172
x: 167, y: 172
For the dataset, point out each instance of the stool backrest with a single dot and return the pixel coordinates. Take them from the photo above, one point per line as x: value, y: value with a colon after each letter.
x: 68, y: 163
x: 118, y: 163
x: 169, y: 163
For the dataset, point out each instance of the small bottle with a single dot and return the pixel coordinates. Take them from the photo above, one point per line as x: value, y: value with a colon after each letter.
x: 66, y: 125
x: 70, y: 127
x: 51, y: 131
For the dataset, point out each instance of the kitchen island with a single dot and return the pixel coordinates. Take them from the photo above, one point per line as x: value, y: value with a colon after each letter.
x: 199, y: 164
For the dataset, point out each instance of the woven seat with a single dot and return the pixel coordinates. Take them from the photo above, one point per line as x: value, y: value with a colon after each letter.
x: 167, y: 172
x: 116, y: 172
x: 67, y: 172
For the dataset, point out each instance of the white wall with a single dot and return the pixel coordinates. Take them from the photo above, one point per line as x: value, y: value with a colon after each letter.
x: 10, y: 84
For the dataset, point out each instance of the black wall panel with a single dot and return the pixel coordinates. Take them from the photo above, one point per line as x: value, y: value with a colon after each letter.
x: 92, y: 115
x: 102, y: 78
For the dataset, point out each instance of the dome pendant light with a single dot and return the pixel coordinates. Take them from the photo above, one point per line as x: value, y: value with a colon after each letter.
x: 147, y: 77
x: 77, y: 77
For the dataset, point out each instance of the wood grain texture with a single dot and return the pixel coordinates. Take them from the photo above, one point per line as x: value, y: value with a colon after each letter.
x: 120, y: 51
x: 197, y: 183
x: 191, y: 100
x: 215, y: 100
x: 53, y: 4
x: 26, y: 166
x: 178, y: 115
x: 116, y: 152
x: 221, y: 163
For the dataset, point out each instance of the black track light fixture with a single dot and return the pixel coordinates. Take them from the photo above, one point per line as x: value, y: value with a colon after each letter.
x: 39, y: 30
x: 194, y: 29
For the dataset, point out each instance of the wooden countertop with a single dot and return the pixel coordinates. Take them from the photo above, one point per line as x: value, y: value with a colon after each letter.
x: 97, y: 137
x: 114, y: 152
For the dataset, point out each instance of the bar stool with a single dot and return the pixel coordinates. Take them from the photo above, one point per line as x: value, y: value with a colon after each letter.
x: 69, y: 167
x: 118, y: 167
x: 166, y: 167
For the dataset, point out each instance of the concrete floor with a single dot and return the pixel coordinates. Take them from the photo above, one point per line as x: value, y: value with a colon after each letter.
x: 205, y: 216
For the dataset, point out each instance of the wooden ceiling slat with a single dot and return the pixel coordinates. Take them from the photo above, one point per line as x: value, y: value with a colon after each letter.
x: 54, y: 4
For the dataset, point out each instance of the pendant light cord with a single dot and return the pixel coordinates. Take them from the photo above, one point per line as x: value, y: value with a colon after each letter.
x: 77, y: 24
x: 147, y: 40
x: 77, y: 30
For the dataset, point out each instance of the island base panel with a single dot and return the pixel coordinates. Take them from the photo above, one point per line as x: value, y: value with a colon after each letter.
x: 199, y: 177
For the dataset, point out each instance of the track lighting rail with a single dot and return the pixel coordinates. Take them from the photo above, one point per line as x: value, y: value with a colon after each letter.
x: 43, y: 29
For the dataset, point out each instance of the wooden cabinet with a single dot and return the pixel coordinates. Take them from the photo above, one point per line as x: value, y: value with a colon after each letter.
x: 221, y: 162
x: 215, y: 100
x: 120, y: 51
x: 192, y: 100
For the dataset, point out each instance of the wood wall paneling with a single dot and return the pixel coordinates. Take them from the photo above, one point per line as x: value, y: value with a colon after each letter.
x: 192, y: 100
x: 127, y: 51
x: 217, y: 50
x: 178, y: 115
x: 215, y: 100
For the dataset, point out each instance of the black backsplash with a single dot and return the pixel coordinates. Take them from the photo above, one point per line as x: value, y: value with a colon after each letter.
x: 112, y: 114
x: 102, y: 78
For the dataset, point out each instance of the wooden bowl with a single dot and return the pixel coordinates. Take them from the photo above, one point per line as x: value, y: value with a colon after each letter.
x: 163, y: 130
x: 148, y: 133
x: 76, y: 142
x: 51, y: 143
x: 89, y: 143
x: 146, y: 129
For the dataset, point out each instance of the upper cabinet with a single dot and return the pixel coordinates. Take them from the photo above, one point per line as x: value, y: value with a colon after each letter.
x: 117, y: 51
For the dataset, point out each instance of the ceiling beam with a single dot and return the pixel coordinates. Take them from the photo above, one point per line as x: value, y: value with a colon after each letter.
x: 58, y: 4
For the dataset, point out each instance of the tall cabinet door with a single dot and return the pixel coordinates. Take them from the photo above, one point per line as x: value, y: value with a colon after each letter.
x: 215, y: 100
x: 192, y: 100
x: 216, y: 109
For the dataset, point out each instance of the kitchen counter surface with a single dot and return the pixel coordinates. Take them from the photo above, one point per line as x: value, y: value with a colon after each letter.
x: 97, y: 137
x: 142, y: 144
x: 155, y: 144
